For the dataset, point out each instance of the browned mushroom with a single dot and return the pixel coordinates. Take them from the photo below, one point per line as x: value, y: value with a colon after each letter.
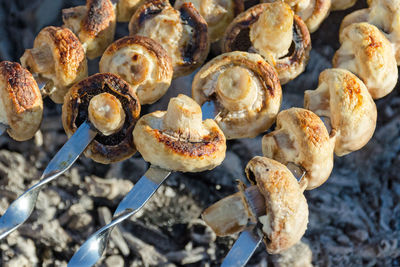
x: 342, y: 4
x: 384, y: 14
x: 300, y: 137
x: 271, y: 30
x: 94, y: 24
x: 183, y: 33
x: 344, y: 99
x: 217, y: 13
x: 367, y: 53
x: 110, y: 104
x: 126, y: 8
x: 142, y: 63
x: 58, y: 57
x: 275, y: 199
x: 21, y: 106
x: 178, y: 139
x: 245, y: 90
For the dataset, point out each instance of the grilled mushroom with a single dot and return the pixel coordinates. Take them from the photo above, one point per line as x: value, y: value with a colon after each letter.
x: 367, y: 53
x: 58, y: 57
x: 345, y: 100
x: 342, y: 4
x: 21, y: 106
x: 271, y: 30
x: 126, y: 8
x: 300, y: 137
x: 141, y: 62
x: 312, y: 12
x: 217, y: 13
x: 178, y: 139
x: 275, y: 199
x: 182, y: 33
x: 94, y: 24
x: 111, y: 105
x: 384, y: 14
x: 245, y: 90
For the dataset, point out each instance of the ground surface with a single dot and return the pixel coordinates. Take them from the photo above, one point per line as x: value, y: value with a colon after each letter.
x: 354, y: 217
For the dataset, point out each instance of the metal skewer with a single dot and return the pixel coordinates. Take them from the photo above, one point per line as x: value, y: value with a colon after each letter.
x: 93, y: 248
x: 20, y: 210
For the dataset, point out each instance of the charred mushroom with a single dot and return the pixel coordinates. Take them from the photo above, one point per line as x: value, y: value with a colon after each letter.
x: 367, y: 53
x: 275, y: 199
x: 112, y: 107
x: 126, y: 8
x: 312, y: 12
x: 21, y: 106
x: 94, y: 24
x: 178, y: 139
x: 182, y: 33
x: 217, y: 13
x: 245, y: 90
x: 58, y: 57
x: 300, y: 137
x: 271, y: 30
x: 345, y: 100
x: 384, y: 14
x: 142, y: 63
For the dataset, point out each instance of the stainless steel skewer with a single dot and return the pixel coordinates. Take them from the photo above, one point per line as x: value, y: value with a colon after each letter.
x: 20, y: 210
x: 93, y: 248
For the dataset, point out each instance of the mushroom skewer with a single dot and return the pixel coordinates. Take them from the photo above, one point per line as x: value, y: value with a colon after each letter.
x: 183, y: 143
x: 104, y: 116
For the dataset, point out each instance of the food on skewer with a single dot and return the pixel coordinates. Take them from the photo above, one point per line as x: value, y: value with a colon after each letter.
x: 245, y: 90
x: 342, y: 4
x: 178, y: 139
x: 94, y: 24
x: 384, y: 14
x: 367, y: 53
x: 217, y: 13
x: 344, y: 99
x: 182, y: 32
x: 57, y: 57
x: 275, y: 199
x: 126, y: 8
x: 270, y: 30
x: 21, y: 105
x: 312, y: 12
x: 117, y: 104
x: 300, y: 137
x: 142, y: 63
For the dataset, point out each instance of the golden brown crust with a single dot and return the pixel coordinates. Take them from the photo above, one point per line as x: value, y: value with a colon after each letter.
x: 103, y: 149
x: 300, y: 137
x: 188, y: 46
x: 146, y: 66
x: 21, y: 102
x: 286, y: 216
x: 236, y: 38
x: 260, y: 113
x: 94, y: 24
x: 57, y: 55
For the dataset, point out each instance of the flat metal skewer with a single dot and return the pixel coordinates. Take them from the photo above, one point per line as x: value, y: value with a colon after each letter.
x: 20, y: 210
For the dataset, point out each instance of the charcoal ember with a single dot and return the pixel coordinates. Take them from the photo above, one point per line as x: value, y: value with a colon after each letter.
x: 300, y: 255
x: 114, y: 261
x: 107, y: 188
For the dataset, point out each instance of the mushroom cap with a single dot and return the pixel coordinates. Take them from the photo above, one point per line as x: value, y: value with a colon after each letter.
x: 367, y: 53
x: 288, y: 67
x: 312, y: 12
x: 103, y: 149
x: 57, y: 55
x: 342, y: 4
x: 260, y: 111
x: 384, y: 14
x: 93, y: 23
x: 178, y: 139
x: 343, y: 98
x: 183, y: 33
x: 286, y: 216
x: 217, y: 13
x: 300, y: 137
x: 126, y: 8
x: 21, y: 106
x: 142, y: 63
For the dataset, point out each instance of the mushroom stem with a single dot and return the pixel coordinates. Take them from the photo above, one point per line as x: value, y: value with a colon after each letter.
x: 106, y: 113
x: 232, y: 214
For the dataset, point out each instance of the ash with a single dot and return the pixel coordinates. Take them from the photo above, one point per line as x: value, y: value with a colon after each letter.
x: 354, y: 216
